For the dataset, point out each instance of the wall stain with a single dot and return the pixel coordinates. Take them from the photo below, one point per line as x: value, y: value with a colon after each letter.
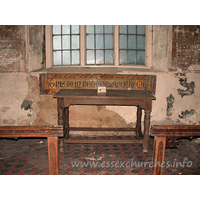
x: 187, y: 113
x: 180, y: 74
x: 189, y: 87
x: 26, y: 104
x: 170, y: 101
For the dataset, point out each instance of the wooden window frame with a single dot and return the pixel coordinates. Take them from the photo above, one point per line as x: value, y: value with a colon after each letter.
x: 148, y: 49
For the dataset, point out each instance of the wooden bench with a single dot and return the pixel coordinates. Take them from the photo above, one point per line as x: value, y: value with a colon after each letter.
x: 166, y: 136
x: 51, y: 132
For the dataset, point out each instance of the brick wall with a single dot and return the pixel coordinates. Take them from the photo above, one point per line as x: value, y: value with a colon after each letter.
x: 185, y: 46
x: 12, y: 48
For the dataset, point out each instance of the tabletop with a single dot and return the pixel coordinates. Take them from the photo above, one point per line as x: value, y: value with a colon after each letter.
x: 109, y: 93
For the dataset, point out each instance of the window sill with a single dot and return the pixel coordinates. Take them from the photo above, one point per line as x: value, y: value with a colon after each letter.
x: 102, y: 70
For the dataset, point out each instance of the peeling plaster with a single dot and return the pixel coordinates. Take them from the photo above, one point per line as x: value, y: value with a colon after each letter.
x: 189, y: 87
x: 13, y: 90
x: 186, y: 113
x: 180, y: 74
x: 170, y: 101
x: 26, y: 104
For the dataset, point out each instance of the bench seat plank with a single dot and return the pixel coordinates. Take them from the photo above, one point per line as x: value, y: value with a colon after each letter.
x: 30, y: 131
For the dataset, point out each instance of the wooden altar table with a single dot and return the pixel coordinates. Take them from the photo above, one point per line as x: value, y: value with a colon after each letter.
x: 139, y: 98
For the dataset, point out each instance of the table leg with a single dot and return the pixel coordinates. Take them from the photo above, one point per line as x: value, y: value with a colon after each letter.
x: 158, y: 155
x: 61, y: 144
x: 60, y: 108
x: 138, y: 125
x: 53, y: 155
x: 66, y: 122
x: 146, y: 130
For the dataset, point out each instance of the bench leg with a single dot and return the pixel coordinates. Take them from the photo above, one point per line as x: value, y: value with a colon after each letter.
x: 158, y: 154
x: 53, y: 155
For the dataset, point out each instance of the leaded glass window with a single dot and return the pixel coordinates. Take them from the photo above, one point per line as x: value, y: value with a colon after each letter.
x: 99, y: 44
x: 132, y: 44
x: 118, y: 45
x: 66, y: 45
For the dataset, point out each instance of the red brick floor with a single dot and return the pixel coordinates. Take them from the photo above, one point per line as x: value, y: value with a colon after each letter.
x: 30, y: 157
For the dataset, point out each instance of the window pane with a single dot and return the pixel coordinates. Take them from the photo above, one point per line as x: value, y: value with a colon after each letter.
x: 56, y: 29
x: 109, y: 57
x: 66, y: 42
x: 74, y: 29
x: 75, y: 42
x: 57, y: 58
x: 99, y: 28
x: 56, y: 42
x: 132, y: 38
x: 131, y: 42
x: 140, y: 57
x: 99, y: 57
x: 108, y: 29
x: 90, y: 42
x: 123, y: 57
x: 66, y: 29
x: 99, y: 38
x: 123, y: 41
x: 141, y: 29
x: 131, y: 57
x: 90, y: 57
x: 89, y: 28
x: 132, y: 29
x: 99, y: 42
x: 75, y: 57
x: 123, y: 29
x: 108, y: 42
x: 140, y: 42
x: 66, y: 58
